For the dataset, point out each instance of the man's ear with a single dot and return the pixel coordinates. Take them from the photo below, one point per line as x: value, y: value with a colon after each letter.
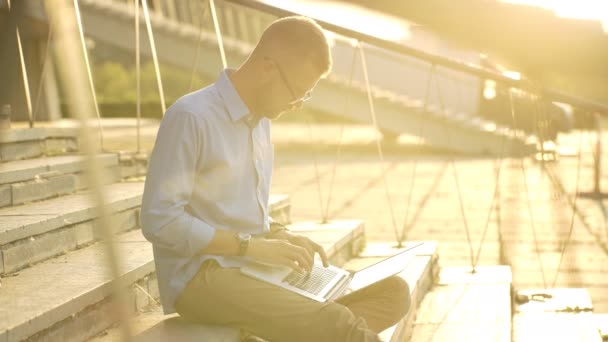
x: 267, y: 70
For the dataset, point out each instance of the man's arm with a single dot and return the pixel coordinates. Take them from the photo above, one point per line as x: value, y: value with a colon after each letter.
x: 169, y: 184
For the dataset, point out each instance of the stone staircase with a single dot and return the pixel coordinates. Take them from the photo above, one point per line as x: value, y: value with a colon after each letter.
x: 55, y: 282
x: 54, y: 278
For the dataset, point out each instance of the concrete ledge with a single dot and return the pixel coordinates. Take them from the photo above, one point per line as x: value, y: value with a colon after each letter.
x: 419, y: 274
x: 24, y: 253
x: 566, y: 316
x: 23, y: 221
x: 22, y: 143
x: 24, y: 170
x: 466, y: 306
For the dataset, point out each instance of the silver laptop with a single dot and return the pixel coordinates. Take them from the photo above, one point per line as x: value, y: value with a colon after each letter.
x: 323, y: 284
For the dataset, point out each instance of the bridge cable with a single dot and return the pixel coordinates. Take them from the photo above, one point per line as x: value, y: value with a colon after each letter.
x: 198, y: 46
x: 26, y: 83
x: 45, y: 65
x: 455, y: 174
x: 372, y: 111
x: 340, y: 141
x: 405, y: 228
x: 218, y: 33
x: 527, y: 194
x: 137, y: 76
x: 89, y: 73
x: 159, y: 81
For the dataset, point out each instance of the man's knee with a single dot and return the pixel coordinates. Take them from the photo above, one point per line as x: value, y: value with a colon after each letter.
x: 337, y: 323
x: 401, y: 294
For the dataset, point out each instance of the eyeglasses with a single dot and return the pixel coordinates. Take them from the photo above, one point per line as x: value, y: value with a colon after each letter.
x: 304, y: 98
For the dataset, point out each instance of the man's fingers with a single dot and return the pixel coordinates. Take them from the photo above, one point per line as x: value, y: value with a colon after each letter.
x: 302, y: 256
x: 319, y: 249
x: 313, y: 248
x: 286, y: 261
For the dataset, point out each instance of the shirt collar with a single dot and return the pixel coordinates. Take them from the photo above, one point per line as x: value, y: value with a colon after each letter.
x: 237, y: 110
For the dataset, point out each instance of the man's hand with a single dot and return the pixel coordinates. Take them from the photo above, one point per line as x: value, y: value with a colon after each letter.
x: 281, y: 252
x: 302, y: 241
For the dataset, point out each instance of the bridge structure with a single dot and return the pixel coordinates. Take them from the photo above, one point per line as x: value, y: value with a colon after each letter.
x: 50, y: 226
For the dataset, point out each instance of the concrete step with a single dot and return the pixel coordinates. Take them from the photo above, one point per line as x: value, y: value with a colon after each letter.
x: 420, y: 274
x: 564, y: 316
x: 465, y: 306
x: 339, y: 238
x: 23, y: 143
x: 65, y: 298
x: 24, y: 181
x: 37, y: 231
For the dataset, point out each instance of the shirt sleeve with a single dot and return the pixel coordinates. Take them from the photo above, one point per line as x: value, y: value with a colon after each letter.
x: 168, y: 188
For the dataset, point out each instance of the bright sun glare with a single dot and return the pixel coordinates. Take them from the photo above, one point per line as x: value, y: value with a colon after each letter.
x: 579, y: 9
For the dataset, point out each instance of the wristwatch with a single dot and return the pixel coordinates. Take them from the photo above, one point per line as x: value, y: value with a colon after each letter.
x: 243, y: 239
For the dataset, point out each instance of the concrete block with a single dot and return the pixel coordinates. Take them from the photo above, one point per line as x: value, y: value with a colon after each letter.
x: 140, y: 290
x: 19, y: 135
x: 177, y: 329
x: 467, y: 307
x: 6, y: 195
x: 22, y: 221
x: 565, y: 316
x: 55, y: 146
x: 84, y: 233
x: 22, y: 150
x: 153, y: 286
x: 71, y: 283
x: 127, y: 171
x: 83, y: 325
x: 42, y: 188
x: 110, y: 175
x: 120, y: 222
x: 37, y: 248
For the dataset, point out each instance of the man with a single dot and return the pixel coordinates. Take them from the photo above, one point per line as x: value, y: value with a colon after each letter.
x: 207, y: 193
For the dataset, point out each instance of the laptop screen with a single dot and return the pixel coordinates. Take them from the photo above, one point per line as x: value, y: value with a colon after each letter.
x: 383, y: 269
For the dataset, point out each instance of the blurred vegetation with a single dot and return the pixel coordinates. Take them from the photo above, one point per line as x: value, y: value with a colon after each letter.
x: 115, y: 83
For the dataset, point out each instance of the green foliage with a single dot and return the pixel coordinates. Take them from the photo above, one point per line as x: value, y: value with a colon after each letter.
x: 116, y: 83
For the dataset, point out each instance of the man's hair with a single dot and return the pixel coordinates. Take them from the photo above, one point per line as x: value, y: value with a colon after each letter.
x: 299, y: 36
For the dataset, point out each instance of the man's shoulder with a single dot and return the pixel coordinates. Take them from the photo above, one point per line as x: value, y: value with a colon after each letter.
x: 203, y: 103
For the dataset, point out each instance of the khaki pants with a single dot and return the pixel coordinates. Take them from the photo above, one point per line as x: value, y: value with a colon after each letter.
x: 224, y: 296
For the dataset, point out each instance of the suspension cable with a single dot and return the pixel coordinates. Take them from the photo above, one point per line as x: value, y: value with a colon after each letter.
x: 571, y: 229
x: 372, y: 111
x: 218, y: 33
x: 527, y: 192
x: 317, y: 176
x: 406, y: 227
x: 339, y: 149
x: 43, y: 72
x: 198, y: 47
x: 159, y: 81
x: 89, y: 74
x: 26, y: 83
x: 495, y: 197
x: 456, y: 177
x: 137, y: 76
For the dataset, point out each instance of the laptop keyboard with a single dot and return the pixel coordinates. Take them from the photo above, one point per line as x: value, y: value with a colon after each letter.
x: 313, y: 282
